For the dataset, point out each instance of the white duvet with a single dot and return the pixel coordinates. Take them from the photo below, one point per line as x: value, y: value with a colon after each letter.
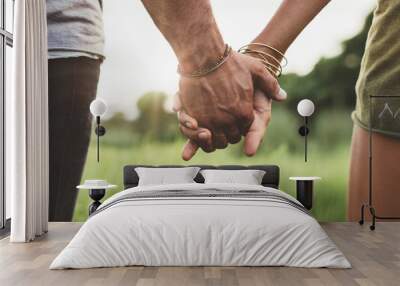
x: 200, y: 231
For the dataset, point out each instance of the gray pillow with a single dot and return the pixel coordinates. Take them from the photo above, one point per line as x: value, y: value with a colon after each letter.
x: 163, y: 176
x: 247, y: 177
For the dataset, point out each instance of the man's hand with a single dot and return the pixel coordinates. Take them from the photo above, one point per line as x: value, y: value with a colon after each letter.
x: 222, y: 101
x: 253, y: 139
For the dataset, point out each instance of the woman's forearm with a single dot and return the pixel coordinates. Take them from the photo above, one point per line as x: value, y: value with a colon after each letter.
x: 288, y: 22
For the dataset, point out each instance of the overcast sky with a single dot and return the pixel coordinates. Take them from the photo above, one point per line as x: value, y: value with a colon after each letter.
x: 140, y: 60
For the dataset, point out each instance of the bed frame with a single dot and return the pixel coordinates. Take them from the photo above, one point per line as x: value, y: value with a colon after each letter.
x: 270, y: 179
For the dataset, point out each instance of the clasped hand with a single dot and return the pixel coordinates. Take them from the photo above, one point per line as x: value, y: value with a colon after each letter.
x: 231, y: 102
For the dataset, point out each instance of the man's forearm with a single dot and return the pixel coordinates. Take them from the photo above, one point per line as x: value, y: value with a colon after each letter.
x: 190, y: 28
x: 288, y: 22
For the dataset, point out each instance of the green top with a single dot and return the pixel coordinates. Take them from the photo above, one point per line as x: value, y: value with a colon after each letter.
x: 380, y: 72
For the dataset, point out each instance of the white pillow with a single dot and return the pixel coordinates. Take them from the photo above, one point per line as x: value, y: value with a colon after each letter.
x: 248, y: 177
x: 163, y: 176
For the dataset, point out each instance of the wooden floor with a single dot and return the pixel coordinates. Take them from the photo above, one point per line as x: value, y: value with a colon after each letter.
x: 375, y: 257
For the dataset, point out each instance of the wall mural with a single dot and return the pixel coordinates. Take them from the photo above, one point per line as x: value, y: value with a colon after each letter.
x: 133, y: 69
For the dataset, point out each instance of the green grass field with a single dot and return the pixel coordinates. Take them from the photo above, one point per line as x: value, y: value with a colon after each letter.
x: 330, y: 164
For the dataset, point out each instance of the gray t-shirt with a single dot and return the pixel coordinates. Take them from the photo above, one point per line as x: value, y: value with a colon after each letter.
x: 75, y: 26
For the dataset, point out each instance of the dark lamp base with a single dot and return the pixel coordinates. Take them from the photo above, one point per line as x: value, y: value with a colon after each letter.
x: 96, y: 195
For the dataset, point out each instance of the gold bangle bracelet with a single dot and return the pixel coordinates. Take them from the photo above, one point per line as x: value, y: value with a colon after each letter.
x: 209, y: 69
x: 271, y: 63
x: 275, y: 70
x: 271, y: 48
x: 262, y: 57
x: 248, y: 50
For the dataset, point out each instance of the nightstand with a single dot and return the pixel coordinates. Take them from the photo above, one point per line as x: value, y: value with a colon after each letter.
x: 304, y: 190
x: 97, y: 190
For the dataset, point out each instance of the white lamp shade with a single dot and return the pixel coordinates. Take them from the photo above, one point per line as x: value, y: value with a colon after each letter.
x: 305, y: 107
x: 98, y: 107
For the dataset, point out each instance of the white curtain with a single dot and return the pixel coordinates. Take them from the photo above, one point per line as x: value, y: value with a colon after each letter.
x: 27, y: 123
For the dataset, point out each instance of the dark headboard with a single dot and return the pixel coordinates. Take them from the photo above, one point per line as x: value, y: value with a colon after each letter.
x: 271, y: 177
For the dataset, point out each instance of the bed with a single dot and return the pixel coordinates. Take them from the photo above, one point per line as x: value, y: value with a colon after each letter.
x: 201, y: 224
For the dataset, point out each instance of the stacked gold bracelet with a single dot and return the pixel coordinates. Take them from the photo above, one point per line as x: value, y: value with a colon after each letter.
x: 271, y: 63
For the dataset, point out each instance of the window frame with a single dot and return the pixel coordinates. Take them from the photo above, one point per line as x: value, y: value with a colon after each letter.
x: 6, y: 39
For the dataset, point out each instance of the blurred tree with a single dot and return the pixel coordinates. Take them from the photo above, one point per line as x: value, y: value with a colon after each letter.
x: 154, y: 122
x: 118, y: 120
x: 332, y: 81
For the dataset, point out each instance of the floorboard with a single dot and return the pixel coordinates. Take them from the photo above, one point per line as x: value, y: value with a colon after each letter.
x: 375, y: 257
